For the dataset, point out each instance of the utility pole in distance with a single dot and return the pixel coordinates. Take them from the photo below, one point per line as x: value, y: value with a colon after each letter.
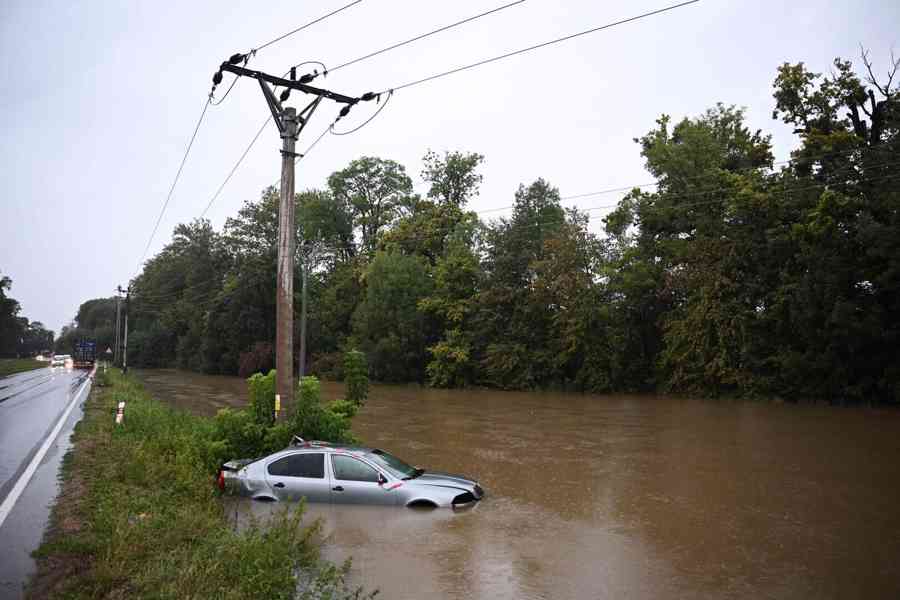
x: 118, y: 323
x: 289, y: 123
x: 125, y: 345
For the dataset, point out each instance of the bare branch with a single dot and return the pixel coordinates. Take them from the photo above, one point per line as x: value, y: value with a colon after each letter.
x: 895, y: 64
x: 871, y: 78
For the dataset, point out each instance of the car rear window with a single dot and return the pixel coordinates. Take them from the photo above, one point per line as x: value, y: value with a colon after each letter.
x: 299, y: 465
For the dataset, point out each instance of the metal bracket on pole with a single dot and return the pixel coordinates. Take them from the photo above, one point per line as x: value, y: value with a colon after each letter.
x: 294, y: 85
x: 274, y: 105
x: 306, y: 114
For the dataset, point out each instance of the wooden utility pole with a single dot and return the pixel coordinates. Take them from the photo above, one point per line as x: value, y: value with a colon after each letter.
x: 290, y: 123
x: 125, y: 345
x: 118, y: 324
x: 284, y: 296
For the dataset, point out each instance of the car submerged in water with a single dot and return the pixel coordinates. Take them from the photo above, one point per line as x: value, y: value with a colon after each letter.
x: 323, y: 472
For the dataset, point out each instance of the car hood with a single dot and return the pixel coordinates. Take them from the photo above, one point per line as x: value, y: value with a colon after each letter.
x: 438, y: 478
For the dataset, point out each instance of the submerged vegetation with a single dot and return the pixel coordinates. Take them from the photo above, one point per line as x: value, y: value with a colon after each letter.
x: 139, y: 517
x: 732, y: 275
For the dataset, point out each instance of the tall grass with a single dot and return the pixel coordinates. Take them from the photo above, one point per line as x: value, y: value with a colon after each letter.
x: 139, y: 516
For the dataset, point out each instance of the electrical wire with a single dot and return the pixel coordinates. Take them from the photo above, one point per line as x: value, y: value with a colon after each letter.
x: 187, y: 151
x: 369, y: 120
x: 302, y: 27
x: 700, y: 177
x: 541, y: 45
x: 420, y: 37
x: 235, y: 167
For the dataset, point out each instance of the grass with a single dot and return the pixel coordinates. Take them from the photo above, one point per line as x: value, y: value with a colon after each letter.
x: 10, y: 366
x: 138, y: 516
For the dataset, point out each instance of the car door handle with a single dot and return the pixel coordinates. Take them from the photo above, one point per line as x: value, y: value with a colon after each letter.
x: 279, y: 484
x: 337, y: 488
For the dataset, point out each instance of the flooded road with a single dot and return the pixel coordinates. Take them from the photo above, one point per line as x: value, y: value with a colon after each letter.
x: 629, y: 496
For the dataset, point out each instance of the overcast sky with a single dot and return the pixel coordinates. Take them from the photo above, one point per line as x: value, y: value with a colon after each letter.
x: 99, y: 99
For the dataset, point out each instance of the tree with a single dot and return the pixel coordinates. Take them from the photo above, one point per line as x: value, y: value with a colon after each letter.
x: 376, y: 191
x: 388, y: 323
x: 453, y: 178
x: 11, y: 329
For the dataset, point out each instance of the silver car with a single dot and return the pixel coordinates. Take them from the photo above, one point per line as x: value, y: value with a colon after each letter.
x: 322, y: 472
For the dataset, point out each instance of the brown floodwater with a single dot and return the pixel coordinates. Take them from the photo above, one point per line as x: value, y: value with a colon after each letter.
x: 619, y: 496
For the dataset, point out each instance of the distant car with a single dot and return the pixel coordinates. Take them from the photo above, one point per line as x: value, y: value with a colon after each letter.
x: 58, y: 360
x: 322, y: 472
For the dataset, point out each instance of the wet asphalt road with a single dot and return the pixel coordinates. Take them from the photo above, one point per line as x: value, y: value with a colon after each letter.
x: 31, y: 406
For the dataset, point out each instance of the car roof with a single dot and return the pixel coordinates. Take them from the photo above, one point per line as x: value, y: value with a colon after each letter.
x: 331, y: 448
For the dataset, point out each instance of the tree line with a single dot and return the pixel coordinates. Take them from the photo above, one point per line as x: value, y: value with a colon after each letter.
x: 732, y: 275
x: 20, y: 337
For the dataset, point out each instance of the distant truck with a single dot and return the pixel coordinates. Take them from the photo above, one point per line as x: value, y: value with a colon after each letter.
x: 85, y: 354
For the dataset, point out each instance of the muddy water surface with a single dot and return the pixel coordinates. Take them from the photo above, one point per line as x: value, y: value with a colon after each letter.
x: 622, y: 497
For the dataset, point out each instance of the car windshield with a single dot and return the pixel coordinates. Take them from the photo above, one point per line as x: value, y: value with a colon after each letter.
x: 393, y: 465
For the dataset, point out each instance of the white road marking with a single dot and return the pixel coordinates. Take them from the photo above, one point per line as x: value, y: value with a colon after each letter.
x: 17, y: 490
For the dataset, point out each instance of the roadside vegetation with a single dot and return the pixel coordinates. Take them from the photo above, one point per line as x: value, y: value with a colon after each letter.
x: 19, y: 336
x: 732, y: 275
x: 10, y: 366
x: 139, y: 516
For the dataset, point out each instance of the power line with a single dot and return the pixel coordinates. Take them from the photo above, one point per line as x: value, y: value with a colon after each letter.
x: 175, y: 181
x: 707, y: 176
x: 326, y: 70
x: 541, y: 45
x: 236, y: 165
x: 420, y: 37
x: 302, y: 27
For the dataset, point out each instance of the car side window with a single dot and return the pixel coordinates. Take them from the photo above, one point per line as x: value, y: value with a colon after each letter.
x: 299, y: 465
x: 347, y: 468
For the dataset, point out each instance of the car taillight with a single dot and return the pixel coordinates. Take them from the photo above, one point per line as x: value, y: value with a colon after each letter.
x: 221, y: 480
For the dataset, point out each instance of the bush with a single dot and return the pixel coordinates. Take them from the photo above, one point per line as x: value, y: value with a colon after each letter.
x: 356, y: 371
x: 262, y: 397
x: 251, y: 433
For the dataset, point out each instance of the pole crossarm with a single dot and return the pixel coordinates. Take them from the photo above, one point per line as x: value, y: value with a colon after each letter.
x: 288, y: 83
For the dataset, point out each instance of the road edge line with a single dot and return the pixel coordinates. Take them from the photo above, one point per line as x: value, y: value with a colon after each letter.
x: 10, y: 501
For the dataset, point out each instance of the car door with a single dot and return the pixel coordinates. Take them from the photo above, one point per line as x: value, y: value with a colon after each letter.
x: 357, y: 482
x: 299, y: 475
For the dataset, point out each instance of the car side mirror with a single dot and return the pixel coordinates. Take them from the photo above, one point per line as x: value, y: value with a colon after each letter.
x: 382, y: 479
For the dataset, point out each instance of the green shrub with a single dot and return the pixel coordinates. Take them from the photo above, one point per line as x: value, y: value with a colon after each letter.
x: 262, y: 397
x: 246, y: 434
x: 356, y: 372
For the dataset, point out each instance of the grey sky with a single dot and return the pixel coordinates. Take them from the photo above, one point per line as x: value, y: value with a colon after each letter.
x: 99, y: 100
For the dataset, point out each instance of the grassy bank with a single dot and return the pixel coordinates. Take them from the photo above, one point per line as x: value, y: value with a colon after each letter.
x: 138, y: 516
x: 10, y: 366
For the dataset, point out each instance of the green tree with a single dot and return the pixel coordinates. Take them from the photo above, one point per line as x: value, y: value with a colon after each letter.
x: 388, y: 323
x: 376, y: 192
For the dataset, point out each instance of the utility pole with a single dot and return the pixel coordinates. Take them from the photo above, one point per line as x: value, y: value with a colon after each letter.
x: 284, y: 296
x: 118, y: 323
x: 289, y: 123
x: 125, y: 347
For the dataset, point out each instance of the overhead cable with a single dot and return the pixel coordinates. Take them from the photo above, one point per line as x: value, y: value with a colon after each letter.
x: 175, y: 181
x: 541, y: 45
x: 421, y: 36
